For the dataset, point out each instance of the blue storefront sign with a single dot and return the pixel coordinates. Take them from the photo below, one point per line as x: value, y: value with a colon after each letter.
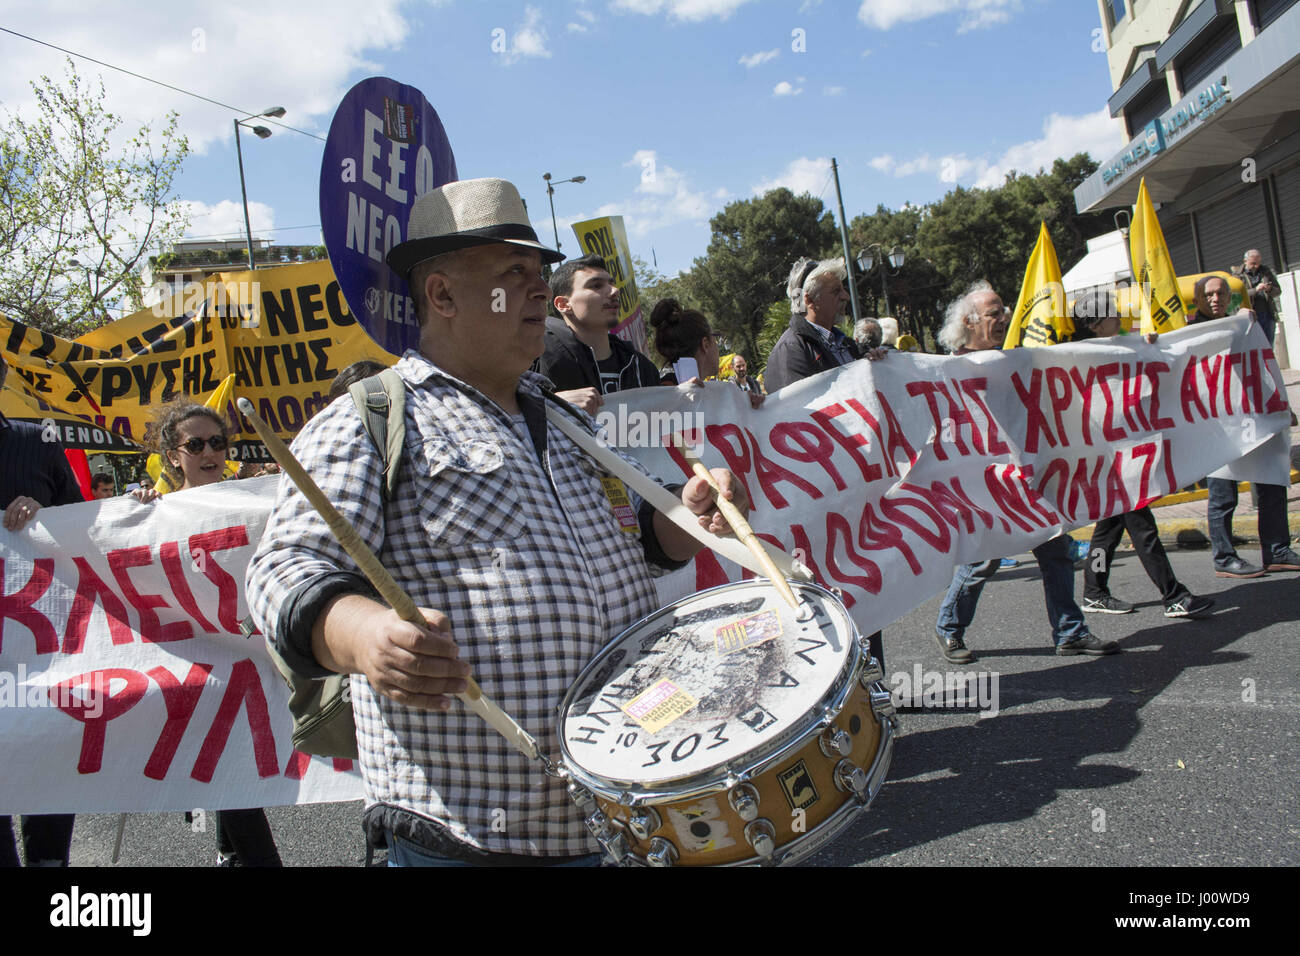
x: 1200, y: 107
x: 386, y: 146
x: 1145, y: 145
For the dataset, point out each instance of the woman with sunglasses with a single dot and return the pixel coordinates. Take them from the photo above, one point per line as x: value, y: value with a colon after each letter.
x: 192, y: 440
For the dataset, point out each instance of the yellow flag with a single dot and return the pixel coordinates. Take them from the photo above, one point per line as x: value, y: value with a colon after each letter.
x: 1162, y: 306
x: 217, y: 401
x: 1040, y: 317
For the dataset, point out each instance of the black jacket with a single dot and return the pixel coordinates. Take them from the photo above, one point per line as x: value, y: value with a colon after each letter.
x: 570, y: 364
x: 800, y: 352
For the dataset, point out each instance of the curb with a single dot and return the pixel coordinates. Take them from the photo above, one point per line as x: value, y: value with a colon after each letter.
x: 1193, y: 534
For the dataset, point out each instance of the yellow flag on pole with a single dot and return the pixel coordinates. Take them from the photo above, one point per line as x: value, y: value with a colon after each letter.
x: 1040, y: 317
x: 1162, y: 306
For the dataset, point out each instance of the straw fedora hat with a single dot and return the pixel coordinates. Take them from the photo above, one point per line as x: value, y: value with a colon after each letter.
x: 469, y: 212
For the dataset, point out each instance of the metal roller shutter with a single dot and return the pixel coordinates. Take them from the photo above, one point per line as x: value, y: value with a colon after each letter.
x: 1230, y: 227
x: 1178, y: 239
x: 1287, y: 188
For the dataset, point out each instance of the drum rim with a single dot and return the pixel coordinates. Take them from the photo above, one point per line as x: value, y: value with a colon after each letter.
x: 717, y: 779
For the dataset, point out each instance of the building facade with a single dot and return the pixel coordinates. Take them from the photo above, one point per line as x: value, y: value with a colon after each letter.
x: 1209, y: 91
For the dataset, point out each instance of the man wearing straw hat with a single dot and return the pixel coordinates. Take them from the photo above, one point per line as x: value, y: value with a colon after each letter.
x: 498, y: 527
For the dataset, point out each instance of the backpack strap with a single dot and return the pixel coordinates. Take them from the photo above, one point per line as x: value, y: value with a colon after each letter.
x: 381, y: 402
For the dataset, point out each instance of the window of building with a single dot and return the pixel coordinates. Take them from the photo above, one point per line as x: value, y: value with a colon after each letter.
x: 1265, y: 12
x: 1146, y: 108
x: 1115, y: 11
x: 1209, y: 54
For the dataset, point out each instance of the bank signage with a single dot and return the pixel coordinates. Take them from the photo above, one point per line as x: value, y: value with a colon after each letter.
x: 1145, y: 145
x: 1200, y: 107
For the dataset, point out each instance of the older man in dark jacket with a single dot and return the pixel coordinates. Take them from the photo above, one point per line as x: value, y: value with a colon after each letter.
x: 812, y: 343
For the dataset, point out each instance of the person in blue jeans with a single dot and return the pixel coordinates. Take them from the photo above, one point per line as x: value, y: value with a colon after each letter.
x: 978, y: 322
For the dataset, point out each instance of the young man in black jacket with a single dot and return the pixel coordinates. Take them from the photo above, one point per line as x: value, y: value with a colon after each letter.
x: 583, y: 357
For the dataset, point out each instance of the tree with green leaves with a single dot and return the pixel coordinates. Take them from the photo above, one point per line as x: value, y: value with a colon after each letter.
x: 754, y: 243
x: 80, y: 208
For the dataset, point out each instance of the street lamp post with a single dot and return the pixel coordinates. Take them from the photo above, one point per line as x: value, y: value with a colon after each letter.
x: 261, y: 132
x: 550, y: 195
x: 894, y: 260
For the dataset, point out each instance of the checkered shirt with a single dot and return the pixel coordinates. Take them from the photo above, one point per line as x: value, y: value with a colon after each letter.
x: 533, y: 591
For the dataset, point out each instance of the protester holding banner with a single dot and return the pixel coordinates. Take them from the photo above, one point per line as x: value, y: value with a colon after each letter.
x: 192, y: 441
x: 583, y: 358
x: 479, y: 530
x: 34, y: 474
x: 812, y: 343
x: 686, y: 334
x: 1097, y: 318
x: 978, y: 322
x: 1212, y: 297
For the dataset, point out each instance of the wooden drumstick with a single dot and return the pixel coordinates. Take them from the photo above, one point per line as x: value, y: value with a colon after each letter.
x: 739, y: 525
x: 378, y: 575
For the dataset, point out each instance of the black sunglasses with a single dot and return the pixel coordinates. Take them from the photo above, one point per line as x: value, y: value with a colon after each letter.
x: 195, y: 445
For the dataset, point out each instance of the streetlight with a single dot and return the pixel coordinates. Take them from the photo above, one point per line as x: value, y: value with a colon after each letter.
x: 550, y: 195
x: 894, y: 260
x: 261, y: 132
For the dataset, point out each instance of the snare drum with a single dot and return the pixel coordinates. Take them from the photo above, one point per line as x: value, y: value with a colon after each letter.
x: 728, y: 728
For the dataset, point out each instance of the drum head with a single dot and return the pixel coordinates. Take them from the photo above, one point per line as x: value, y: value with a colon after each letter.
x: 706, y: 687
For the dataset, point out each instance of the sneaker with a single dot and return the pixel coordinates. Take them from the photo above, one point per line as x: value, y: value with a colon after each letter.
x: 1234, y: 567
x: 1107, y: 605
x: 1286, y: 560
x: 954, y: 651
x: 1189, y: 606
x: 1009, y: 563
x: 1089, y: 644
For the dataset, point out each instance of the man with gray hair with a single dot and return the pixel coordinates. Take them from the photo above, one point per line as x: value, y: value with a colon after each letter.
x: 868, y: 334
x: 812, y: 343
x: 977, y: 322
x: 1261, y: 285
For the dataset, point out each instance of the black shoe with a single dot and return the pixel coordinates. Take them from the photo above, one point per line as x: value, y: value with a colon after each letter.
x: 1090, y: 645
x: 1286, y: 560
x: 1234, y: 567
x: 954, y: 651
x: 1189, y: 606
x: 1109, y: 604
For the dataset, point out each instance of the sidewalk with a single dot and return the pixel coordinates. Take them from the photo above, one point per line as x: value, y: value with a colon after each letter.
x: 1184, y: 525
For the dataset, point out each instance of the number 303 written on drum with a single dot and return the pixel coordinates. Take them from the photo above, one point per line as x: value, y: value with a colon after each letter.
x: 684, y: 747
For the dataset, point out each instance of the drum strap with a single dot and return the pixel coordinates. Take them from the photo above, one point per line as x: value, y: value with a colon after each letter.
x: 666, y: 502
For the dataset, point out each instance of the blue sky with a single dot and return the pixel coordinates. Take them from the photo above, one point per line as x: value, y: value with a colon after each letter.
x: 670, y: 108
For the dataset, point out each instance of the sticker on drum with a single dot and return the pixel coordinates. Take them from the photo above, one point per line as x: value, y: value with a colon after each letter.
x: 706, y: 686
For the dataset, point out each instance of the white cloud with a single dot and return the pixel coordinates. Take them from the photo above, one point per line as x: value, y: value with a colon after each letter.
x: 832, y: 90
x: 238, y: 56
x: 1063, y: 136
x: 663, y: 197
x: 802, y: 175
x: 586, y: 15
x: 527, y: 39
x: 687, y: 10
x: 225, y: 220
x: 885, y: 14
x: 575, y: 27
x: 785, y: 89
x: 751, y: 60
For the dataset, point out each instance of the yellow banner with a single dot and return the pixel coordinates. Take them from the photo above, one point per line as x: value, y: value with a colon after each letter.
x: 1040, y: 317
x: 607, y: 237
x: 283, y: 333
x: 1153, y: 272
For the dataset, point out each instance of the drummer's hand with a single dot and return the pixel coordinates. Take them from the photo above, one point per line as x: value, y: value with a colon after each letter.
x: 698, y: 497
x: 414, y: 666
x: 588, y: 399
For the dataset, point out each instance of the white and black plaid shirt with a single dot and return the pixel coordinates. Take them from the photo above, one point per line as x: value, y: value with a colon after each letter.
x: 533, y: 590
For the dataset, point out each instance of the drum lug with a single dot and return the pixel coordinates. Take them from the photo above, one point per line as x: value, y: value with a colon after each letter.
x: 882, y: 705
x: 662, y: 853
x: 762, y: 837
x: 744, y: 800
x: 582, y: 799
x: 644, y: 822
x: 850, y: 778
x: 871, y: 672
x: 834, y: 742
x: 613, y: 841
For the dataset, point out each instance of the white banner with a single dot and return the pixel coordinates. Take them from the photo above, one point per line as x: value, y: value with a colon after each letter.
x: 125, y: 685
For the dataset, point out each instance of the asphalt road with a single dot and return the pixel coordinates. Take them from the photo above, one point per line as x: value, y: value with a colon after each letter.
x: 1180, y: 751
